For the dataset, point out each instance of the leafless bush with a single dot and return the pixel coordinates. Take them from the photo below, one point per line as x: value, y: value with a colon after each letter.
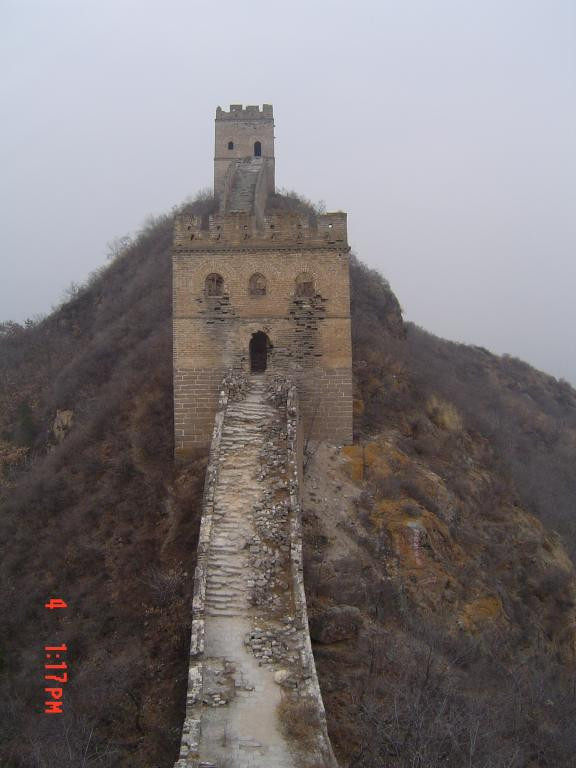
x: 299, y: 720
x: 164, y: 585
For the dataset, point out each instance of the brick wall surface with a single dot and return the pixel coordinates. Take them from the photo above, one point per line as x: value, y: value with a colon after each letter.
x: 309, y: 336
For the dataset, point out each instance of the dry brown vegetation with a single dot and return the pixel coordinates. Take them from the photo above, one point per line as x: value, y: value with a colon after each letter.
x: 298, y: 720
x: 466, y: 656
x: 474, y: 668
x: 101, y: 519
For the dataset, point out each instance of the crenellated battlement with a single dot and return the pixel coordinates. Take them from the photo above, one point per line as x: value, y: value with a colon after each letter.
x: 276, y: 229
x: 250, y: 112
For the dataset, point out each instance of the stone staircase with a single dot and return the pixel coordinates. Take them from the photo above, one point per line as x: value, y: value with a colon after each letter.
x: 240, y: 727
x: 251, y: 664
x: 227, y: 590
x: 242, y: 194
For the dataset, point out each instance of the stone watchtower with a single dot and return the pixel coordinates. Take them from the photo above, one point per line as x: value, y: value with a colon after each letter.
x: 243, y: 135
x: 261, y: 289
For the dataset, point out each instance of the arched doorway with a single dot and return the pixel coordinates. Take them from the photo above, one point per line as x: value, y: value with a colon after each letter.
x: 257, y: 149
x: 259, y: 346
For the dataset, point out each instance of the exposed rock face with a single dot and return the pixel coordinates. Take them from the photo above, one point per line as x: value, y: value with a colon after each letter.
x: 62, y: 424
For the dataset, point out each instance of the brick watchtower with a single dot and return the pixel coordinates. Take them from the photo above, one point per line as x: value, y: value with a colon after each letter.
x: 259, y: 290
x: 242, y: 134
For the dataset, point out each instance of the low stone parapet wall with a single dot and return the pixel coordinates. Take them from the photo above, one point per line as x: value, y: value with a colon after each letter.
x: 191, y: 728
x: 295, y: 472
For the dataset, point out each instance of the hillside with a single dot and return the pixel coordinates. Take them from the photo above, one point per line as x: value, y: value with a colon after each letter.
x: 442, y: 595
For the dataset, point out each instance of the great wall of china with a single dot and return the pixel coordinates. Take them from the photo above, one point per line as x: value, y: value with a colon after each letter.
x: 251, y: 663
x: 262, y: 361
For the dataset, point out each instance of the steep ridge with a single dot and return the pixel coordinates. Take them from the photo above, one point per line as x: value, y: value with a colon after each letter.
x: 433, y: 665
x: 252, y: 677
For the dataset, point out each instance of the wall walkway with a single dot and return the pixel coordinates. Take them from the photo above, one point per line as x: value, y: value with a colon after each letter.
x: 253, y: 697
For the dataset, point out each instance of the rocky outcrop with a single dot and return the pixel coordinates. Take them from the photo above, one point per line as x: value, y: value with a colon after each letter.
x: 62, y: 424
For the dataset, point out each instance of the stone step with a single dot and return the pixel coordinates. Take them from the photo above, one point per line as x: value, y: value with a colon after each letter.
x: 225, y: 510
x: 227, y: 550
x: 242, y: 434
x: 234, y: 585
x: 232, y: 529
x: 231, y: 524
x: 248, y: 415
x: 236, y: 601
x: 228, y: 547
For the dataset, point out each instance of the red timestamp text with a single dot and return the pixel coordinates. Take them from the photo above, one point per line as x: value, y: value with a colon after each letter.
x: 55, y: 669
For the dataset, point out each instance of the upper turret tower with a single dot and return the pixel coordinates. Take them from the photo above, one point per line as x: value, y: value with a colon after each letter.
x: 242, y: 133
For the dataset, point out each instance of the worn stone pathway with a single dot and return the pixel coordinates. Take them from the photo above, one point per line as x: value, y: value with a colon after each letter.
x: 247, y: 600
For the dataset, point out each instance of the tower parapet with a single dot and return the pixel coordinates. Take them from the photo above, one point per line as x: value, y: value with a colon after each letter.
x: 276, y: 230
x: 238, y: 112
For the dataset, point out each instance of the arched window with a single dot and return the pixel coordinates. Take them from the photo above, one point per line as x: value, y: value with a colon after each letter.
x: 257, y: 285
x: 214, y: 285
x: 257, y: 149
x: 230, y: 145
x: 304, y: 284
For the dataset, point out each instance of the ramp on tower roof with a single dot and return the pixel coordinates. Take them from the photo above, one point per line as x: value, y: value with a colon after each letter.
x: 242, y: 195
x: 243, y: 134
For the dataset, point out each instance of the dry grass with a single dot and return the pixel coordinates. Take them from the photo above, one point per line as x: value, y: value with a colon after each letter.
x: 298, y: 720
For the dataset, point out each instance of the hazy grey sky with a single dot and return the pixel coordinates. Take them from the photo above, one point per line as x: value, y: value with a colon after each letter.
x: 446, y: 129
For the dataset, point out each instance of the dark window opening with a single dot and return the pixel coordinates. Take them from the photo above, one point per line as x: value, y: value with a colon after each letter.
x: 259, y: 347
x: 230, y: 145
x: 214, y: 285
x: 305, y: 285
x: 257, y: 149
x: 257, y: 285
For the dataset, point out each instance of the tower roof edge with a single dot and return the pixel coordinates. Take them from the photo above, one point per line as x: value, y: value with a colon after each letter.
x: 249, y: 112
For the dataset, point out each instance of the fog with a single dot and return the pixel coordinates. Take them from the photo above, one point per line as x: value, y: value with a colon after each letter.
x: 445, y: 128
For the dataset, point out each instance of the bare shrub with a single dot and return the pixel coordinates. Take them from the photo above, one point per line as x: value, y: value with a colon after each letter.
x: 298, y: 720
x: 164, y: 585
